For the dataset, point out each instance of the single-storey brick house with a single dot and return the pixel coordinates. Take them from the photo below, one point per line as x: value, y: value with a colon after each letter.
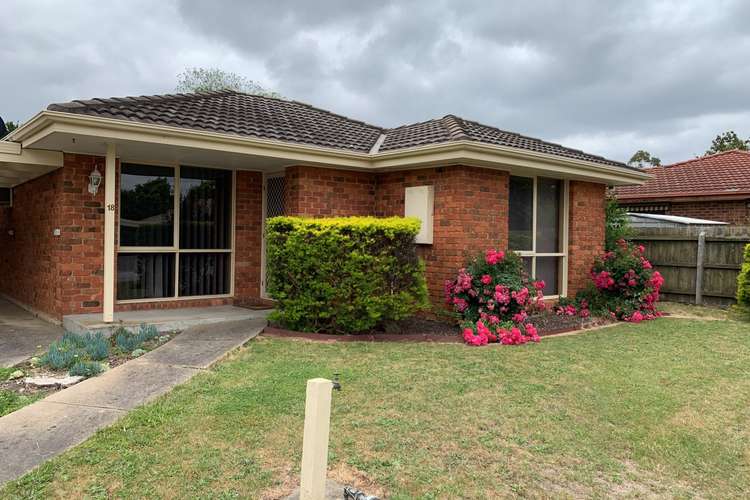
x: 715, y: 187
x: 187, y: 181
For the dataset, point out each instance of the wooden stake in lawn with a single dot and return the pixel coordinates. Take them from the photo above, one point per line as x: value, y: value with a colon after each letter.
x: 315, y: 439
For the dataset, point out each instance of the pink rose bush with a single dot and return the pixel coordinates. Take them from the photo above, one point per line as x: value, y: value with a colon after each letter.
x: 625, y: 286
x: 494, y: 297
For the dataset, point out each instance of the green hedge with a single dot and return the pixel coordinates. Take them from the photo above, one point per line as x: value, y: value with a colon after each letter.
x: 743, y: 281
x: 343, y: 274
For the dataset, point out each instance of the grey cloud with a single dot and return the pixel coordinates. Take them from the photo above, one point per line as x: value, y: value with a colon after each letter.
x: 610, y: 77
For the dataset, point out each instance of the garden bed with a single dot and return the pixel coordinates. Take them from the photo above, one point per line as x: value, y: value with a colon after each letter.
x: 17, y: 392
x: 426, y: 330
x: 553, y: 324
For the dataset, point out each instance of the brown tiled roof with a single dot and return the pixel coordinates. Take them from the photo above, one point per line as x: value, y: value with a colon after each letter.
x: 236, y: 113
x: 452, y: 128
x: 249, y: 115
x: 721, y: 174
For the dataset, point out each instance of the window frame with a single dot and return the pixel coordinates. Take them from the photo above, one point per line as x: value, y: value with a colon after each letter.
x: 175, y: 248
x: 564, y: 223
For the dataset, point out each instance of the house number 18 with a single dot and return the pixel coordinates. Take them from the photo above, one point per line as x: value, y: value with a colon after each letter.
x: 111, y: 207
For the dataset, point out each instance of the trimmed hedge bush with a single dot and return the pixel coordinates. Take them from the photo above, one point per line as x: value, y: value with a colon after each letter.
x: 343, y: 274
x: 743, y: 281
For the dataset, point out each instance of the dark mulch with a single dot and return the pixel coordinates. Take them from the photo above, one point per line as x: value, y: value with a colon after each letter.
x: 552, y: 324
x: 271, y: 331
x: 417, y: 329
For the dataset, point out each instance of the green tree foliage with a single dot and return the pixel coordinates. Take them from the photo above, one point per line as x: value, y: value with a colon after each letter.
x: 9, y: 127
x: 215, y: 79
x: 643, y: 158
x: 344, y: 274
x: 726, y: 142
x: 617, y: 224
x: 743, y: 282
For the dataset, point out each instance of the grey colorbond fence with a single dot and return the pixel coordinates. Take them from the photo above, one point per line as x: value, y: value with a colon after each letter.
x: 697, y: 268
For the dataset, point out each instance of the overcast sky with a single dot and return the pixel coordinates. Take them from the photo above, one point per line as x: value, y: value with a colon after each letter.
x: 609, y: 77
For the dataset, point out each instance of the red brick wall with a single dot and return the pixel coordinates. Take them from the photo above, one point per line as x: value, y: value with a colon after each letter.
x: 81, y: 244
x: 29, y: 256
x: 471, y: 215
x: 586, y: 231
x: 734, y: 212
x: 324, y: 192
x: 61, y: 275
x: 56, y: 275
x: 248, y: 235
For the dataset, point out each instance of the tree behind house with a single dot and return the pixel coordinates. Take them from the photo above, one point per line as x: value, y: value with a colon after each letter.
x: 643, y: 158
x: 726, y: 142
x: 215, y: 79
x: 617, y: 224
x: 7, y: 127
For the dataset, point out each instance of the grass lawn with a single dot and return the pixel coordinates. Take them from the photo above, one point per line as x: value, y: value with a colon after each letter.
x: 10, y: 401
x: 660, y: 408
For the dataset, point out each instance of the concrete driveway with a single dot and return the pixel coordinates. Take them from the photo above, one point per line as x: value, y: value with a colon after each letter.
x: 22, y: 334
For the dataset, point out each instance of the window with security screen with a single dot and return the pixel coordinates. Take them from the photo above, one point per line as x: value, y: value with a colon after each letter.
x: 274, y: 196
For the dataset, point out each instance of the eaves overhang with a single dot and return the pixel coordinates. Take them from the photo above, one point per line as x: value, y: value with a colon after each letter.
x: 465, y: 152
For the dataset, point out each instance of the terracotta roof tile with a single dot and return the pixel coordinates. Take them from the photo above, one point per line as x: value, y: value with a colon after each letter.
x: 726, y: 173
x: 249, y: 115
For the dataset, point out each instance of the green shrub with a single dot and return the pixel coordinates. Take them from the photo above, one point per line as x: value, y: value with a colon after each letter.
x: 617, y: 226
x: 344, y: 274
x: 71, y: 348
x: 147, y: 332
x: 127, y: 341
x: 63, y: 353
x: 743, y: 281
x: 85, y: 368
x: 74, y: 339
x: 96, y: 346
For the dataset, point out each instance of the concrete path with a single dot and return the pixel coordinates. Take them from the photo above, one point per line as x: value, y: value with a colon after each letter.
x: 64, y: 419
x: 22, y: 334
x: 165, y: 320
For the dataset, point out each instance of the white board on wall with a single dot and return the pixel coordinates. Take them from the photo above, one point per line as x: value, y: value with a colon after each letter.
x: 419, y: 202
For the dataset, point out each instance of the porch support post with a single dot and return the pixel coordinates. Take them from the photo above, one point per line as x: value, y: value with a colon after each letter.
x: 109, y: 235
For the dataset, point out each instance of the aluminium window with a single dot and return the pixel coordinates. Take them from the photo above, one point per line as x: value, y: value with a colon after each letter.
x: 537, y: 229
x: 175, y: 232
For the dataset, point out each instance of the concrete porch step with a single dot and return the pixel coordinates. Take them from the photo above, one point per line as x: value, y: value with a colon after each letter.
x: 165, y: 320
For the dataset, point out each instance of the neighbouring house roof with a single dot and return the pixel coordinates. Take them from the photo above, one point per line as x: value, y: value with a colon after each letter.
x: 262, y: 117
x: 721, y: 174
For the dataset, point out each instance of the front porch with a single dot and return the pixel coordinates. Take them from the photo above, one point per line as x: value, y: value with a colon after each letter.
x: 165, y: 320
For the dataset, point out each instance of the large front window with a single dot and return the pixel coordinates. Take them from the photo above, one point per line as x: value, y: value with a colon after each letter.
x: 175, y: 232
x: 536, y: 228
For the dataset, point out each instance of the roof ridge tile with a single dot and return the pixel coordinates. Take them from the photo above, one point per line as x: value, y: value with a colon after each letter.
x: 455, y: 127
